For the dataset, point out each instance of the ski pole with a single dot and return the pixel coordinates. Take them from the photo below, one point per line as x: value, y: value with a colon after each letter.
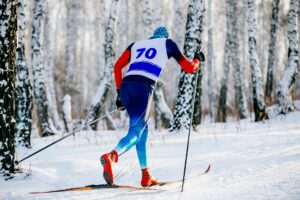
x: 79, y: 129
x: 202, y: 58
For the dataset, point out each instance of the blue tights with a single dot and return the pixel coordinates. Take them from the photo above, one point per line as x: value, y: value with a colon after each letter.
x: 136, y: 97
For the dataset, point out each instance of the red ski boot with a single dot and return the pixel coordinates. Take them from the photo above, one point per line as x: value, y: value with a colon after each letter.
x: 147, y: 179
x: 106, y: 161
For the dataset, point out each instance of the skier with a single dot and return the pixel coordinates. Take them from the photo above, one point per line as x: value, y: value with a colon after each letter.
x: 146, y: 59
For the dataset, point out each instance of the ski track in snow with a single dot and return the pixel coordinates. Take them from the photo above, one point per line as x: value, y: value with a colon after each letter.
x: 248, y: 161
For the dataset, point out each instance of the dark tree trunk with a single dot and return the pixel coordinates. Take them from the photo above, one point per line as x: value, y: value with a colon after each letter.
x: 272, y: 52
x: 8, y: 45
x: 183, y: 107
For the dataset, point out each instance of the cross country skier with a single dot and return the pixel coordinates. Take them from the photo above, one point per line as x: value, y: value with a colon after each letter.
x: 146, y: 59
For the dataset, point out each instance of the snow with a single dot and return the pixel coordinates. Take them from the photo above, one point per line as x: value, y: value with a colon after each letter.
x: 248, y: 161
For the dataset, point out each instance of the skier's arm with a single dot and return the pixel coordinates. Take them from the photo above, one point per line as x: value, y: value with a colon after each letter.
x: 123, y: 60
x: 187, y: 65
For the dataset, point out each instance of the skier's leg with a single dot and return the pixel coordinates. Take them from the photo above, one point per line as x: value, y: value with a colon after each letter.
x: 132, y: 137
x: 141, y: 148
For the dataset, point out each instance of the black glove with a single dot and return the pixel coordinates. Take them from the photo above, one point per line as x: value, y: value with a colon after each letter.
x: 119, y: 103
x: 200, y: 56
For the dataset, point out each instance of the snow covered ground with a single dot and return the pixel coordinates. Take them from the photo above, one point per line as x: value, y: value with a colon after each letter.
x: 248, y: 161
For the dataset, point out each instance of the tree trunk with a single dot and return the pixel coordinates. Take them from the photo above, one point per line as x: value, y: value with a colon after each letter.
x: 210, y: 66
x: 49, y: 66
x: 71, y: 73
x: 285, y: 103
x: 183, y: 107
x: 197, y: 113
x: 164, y: 114
x: 239, y: 92
x: 8, y: 45
x: 66, y: 111
x: 38, y: 71
x: 106, y: 80
x: 23, y: 86
x: 258, y: 95
x: 272, y: 52
x: 222, y: 109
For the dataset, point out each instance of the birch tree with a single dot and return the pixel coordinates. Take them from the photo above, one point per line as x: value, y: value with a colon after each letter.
x: 71, y: 70
x: 49, y: 66
x: 210, y: 66
x: 285, y: 103
x: 222, y: 109
x: 38, y: 72
x: 272, y: 52
x: 192, y: 43
x: 258, y: 95
x: 8, y: 45
x: 109, y: 54
x: 197, y: 114
x: 239, y: 92
x: 66, y: 111
x: 23, y: 86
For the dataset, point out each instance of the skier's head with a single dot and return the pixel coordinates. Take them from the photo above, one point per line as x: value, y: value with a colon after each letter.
x: 160, y: 32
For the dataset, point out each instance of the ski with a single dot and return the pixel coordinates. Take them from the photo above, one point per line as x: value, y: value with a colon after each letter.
x: 94, y: 187
x: 108, y: 186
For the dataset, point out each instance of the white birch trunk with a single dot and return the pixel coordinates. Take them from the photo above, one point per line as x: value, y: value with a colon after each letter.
x: 49, y: 66
x: 66, y: 111
x: 183, y: 106
x: 38, y: 72
x: 210, y: 66
x: 272, y: 52
x: 106, y: 80
x: 23, y: 86
x: 258, y: 93
x: 240, y: 97
x: 222, y: 109
x: 285, y: 103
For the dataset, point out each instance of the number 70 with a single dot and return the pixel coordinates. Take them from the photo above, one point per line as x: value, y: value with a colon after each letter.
x: 149, y: 53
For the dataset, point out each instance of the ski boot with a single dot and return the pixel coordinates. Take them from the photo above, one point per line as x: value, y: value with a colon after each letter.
x: 106, y: 161
x: 147, y: 179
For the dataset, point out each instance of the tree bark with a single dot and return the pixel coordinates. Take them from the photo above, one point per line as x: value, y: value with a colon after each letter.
x: 106, y: 80
x: 66, y: 111
x: 49, y: 71
x: 38, y: 72
x: 8, y: 45
x: 210, y: 66
x: 240, y: 98
x: 23, y: 86
x: 285, y: 103
x: 222, y: 109
x: 272, y: 52
x: 183, y: 107
x: 258, y: 95
x: 71, y: 71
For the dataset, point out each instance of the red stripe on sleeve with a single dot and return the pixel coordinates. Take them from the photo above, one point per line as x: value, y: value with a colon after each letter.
x: 123, y: 60
x: 189, y: 66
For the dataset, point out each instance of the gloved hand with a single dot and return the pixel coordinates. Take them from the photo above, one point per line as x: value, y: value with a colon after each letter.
x: 119, y: 103
x: 200, y: 55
